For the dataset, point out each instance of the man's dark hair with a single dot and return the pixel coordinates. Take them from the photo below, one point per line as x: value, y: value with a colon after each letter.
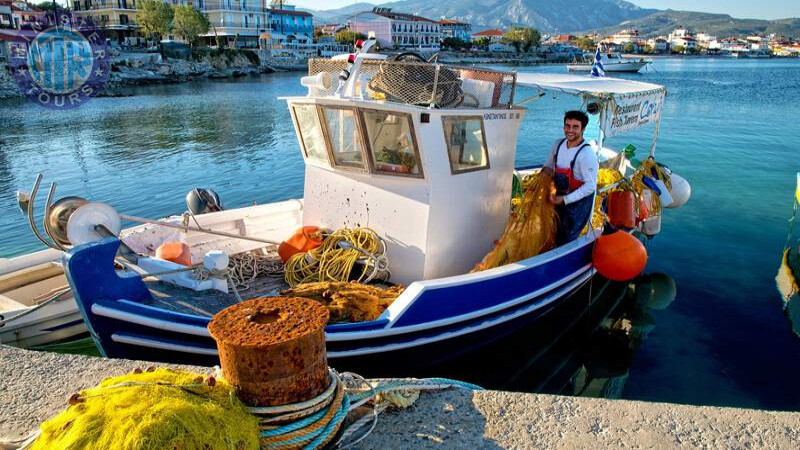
x: 577, y: 115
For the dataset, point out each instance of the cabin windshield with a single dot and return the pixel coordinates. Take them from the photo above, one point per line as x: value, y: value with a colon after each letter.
x: 344, y: 137
x: 391, y: 142
x: 311, y: 137
x: 466, y: 143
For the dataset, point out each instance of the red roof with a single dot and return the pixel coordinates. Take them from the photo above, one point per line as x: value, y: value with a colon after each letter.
x: 451, y: 22
x: 490, y: 33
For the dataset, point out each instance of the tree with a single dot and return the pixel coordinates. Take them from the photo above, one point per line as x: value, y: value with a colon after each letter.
x: 154, y: 17
x: 522, y: 38
x: 628, y: 48
x: 48, y: 6
x: 454, y: 43
x: 678, y: 49
x: 585, y: 43
x: 189, y: 23
x: 482, y: 42
x: 649, y: 49
x: 348, y: 37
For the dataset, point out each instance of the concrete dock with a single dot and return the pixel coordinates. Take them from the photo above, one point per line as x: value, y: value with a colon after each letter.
x: 34, y: 386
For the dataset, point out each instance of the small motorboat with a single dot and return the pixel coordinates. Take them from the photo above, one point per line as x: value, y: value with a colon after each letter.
x: 612, y: 62
x: 422, y: 154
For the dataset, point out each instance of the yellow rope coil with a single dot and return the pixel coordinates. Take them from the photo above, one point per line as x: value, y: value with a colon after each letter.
x: 331, y: 262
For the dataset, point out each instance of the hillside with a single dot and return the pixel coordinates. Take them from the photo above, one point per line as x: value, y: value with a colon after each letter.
x: 663, y: 22
x: 548, y: 16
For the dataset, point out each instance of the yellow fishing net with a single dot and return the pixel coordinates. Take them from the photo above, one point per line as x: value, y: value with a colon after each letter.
x: 348, y: 301
x: 532, y: 227
x: 161, y: 409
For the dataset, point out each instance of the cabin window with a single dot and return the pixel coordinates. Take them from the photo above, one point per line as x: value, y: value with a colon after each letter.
x: 311, y: 135
x: 392, y: 144
x: 344, y: 138
x: 466, y: 143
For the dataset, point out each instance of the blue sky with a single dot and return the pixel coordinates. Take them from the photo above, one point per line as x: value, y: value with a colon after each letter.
x: 764, y: 9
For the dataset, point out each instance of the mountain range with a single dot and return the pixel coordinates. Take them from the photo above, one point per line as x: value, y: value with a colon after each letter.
x: 571, y: 16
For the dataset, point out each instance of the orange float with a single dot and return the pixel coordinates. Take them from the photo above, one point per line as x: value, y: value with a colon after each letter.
x: 303, y: 240
x: 642, y: 212
x: 622, y: 209
x: 619, y: 256
x: 177, y: 252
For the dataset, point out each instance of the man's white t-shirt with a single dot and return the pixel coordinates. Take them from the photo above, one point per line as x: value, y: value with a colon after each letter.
x: 586, y: 167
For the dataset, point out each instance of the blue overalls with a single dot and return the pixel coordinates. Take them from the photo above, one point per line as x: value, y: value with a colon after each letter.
x: 573, y: 217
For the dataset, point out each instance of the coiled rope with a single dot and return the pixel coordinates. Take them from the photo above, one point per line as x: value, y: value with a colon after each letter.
x: 315, y: 422
x: 335, y: 259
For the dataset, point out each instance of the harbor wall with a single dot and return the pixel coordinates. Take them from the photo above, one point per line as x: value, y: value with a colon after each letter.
x: 35, y: 386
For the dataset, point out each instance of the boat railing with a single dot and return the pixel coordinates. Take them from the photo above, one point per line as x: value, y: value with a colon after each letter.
x: 425, y: 84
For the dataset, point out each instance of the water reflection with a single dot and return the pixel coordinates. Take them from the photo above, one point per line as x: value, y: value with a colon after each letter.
x: 609, y: 354
x: 586, y: 346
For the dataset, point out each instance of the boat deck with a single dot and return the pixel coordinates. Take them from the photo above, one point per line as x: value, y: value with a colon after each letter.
x: 209, y: 302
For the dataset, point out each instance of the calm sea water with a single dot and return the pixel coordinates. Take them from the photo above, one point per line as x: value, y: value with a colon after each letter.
x: 729, y: 127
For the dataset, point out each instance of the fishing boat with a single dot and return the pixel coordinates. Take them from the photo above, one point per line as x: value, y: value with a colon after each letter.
x: 789, y: 270
x: 612, y: 62
x: 421, y: 153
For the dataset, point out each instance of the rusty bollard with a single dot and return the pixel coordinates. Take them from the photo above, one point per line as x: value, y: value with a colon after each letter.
x: 273, y: 349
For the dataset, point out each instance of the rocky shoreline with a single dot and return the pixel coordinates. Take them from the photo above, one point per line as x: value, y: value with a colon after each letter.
x: 148, y: 69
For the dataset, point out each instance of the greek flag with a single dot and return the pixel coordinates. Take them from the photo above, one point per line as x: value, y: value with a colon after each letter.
x: 597, y: 67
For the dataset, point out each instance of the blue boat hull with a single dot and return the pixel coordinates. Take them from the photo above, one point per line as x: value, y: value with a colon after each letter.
x: 440, y: 319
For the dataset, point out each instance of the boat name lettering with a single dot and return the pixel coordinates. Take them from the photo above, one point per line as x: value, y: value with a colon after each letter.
x: 501, y: 116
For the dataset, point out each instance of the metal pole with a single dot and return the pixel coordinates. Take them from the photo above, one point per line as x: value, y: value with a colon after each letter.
x: 198, y: 229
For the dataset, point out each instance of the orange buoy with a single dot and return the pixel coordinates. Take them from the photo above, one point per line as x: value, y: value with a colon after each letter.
x: 642, y: 212
x: 622, y: 209
x: 177, y: 252
x: 303, y: 240
x: 619, y: 256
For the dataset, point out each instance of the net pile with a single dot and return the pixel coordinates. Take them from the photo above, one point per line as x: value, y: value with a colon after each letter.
x: 348, y: 302
x: 532, y: 227
x: 157, y: 409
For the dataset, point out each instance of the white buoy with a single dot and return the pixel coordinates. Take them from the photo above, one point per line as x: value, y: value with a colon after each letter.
x: 651, y: 226
x: 681, y: 191
x: 216, y: 260
x: 664, y: 196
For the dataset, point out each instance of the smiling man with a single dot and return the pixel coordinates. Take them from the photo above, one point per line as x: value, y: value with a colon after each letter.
x: 574, y: 165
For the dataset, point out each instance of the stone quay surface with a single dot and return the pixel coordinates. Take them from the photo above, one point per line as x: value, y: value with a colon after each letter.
x: 34, y: 386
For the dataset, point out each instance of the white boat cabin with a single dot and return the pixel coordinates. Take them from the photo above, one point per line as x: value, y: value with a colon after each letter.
x: 434, y: 182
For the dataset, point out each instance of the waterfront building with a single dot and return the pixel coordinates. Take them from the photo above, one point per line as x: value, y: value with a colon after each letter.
x: 659, y: 44
x: 626, y: 36
x: 22, y: 12
x: 233, y: 21
x: 398, y: 30
x: 329, y: 29
x: 683, y: 37
x: 7, y: 38
x: 494, y: 36
x: 455, y: 29
x: 6, y: 18
x: 115, y: 17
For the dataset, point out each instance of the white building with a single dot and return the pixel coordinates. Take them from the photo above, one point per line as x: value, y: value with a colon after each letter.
x: 398, y: 30
x: 493, y: 35
x: 659, y: 44
x: 625, y: 36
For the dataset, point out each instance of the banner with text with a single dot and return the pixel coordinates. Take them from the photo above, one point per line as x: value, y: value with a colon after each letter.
x: 629, y: 113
